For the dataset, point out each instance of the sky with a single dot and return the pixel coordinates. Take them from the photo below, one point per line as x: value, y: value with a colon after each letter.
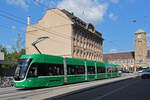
x: 117, y: 20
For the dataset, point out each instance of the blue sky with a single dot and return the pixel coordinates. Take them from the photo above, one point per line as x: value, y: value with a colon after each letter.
x: 113, y: 18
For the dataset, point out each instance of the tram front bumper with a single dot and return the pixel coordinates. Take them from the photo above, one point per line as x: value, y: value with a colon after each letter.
x: 18, y: 84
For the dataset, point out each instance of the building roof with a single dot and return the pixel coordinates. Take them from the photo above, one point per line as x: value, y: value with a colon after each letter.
x: 74, y: 18
x: 77, y: 20
x: 123, y: 55
x: 140, y: 31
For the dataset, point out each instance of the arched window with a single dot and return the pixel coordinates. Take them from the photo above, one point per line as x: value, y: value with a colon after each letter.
x: 91, y: 28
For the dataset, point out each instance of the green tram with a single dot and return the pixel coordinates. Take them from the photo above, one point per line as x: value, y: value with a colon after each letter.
x: 40, y: 70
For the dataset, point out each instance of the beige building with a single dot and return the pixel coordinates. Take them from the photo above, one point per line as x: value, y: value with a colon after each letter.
x: 138, y: 58
x: 68, y: 36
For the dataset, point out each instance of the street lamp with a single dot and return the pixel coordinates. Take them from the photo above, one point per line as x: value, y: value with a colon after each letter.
x: 37, y: 41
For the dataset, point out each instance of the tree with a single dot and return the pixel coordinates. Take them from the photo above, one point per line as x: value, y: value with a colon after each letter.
x: 17, y: 51
x: 19, y: 44
x: 1, y: 46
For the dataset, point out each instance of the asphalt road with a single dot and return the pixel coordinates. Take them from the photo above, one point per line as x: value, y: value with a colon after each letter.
x: 129, y: 89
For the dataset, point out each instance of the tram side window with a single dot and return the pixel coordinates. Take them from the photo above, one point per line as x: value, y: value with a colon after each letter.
x: 114, y: 70
x: 33, y: 71
x: 101, y: 70
x: 55, y: 69
x: 45, y: 69
x: 109, y: 70
x: 91, y: 69
x: 75, y: 69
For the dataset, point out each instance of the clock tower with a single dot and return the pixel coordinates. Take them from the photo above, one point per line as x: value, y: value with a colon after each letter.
x: 140, y: 48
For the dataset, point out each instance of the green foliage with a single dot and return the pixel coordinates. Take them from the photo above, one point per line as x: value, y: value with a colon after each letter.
x: 17, y: 51
x: 12, y: 56
x: 1, y: 77
x: 19, y: 44
x: 1, y: 46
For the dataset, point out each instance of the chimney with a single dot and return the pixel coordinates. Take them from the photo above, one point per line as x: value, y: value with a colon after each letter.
x: 72, y: 13
x: 28, y: 20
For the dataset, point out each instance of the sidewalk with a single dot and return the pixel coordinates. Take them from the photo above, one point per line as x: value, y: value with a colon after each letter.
x: 70, y: 89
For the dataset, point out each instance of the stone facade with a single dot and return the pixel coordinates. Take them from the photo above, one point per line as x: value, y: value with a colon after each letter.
x: 86, y: 45
x: 124, y: 59
x: 140, y: 48
x: 69, y: 36
x: 135, y: 59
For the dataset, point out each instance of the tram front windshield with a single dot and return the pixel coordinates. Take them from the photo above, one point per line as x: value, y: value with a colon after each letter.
x: 21, y: 69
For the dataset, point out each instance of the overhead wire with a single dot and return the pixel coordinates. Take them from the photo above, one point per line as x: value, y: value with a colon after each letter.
x: 42, y: 5
x: 39, y: 27
x: 21, y: 22
x: 5, y: 12
x: 5, y: 26
x: 8, y: 17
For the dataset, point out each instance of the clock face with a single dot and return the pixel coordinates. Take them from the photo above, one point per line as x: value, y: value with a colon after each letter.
x: 139, y: 36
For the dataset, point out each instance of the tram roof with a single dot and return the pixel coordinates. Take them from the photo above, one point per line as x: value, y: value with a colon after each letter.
x: 43, y: 58
x: 74, y: 61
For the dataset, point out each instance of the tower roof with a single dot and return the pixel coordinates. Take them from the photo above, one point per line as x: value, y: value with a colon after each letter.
x: 140, y: 31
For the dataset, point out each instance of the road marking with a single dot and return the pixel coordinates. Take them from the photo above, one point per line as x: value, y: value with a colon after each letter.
x: 109, y: 93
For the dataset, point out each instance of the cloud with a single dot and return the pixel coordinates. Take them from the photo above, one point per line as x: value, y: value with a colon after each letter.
x: 13, y: 27
x: 46, y: 3
x: 112, y: 16
x: 113, y: 51
x: 148, y: 35
x: 88, y: 10
x: 114, y: 1
x: 21, y: 3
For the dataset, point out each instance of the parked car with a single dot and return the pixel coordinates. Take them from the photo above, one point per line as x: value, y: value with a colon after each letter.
x: 145, y: 74
x: 140, y: 71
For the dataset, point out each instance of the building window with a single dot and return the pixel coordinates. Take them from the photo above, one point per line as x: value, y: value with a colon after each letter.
x: 139, y: 43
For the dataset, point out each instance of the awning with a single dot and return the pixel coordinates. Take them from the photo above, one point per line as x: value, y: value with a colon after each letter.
x: 6, y: 62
